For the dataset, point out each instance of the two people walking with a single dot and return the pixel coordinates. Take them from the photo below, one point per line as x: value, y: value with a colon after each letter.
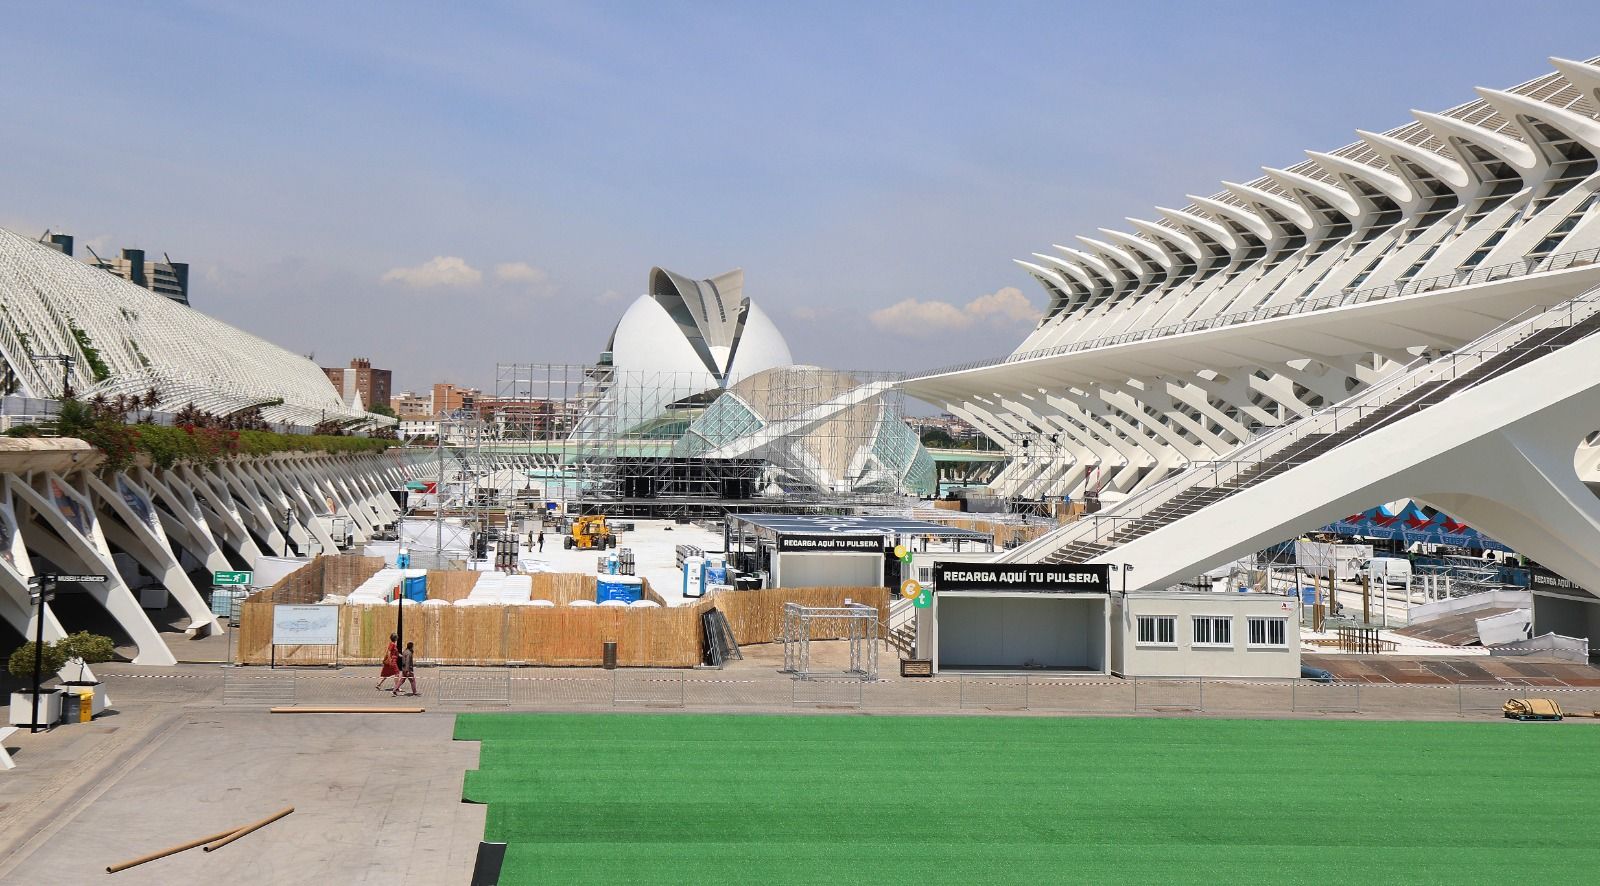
x: 399, y: 664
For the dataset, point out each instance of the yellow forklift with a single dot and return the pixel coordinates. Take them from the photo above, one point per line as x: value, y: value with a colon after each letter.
x: 589, y: 533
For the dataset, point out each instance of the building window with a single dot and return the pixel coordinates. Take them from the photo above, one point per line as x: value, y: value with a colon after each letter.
x: 1158, y: 630
x: 1213, y: 630
x: 1271, y: 632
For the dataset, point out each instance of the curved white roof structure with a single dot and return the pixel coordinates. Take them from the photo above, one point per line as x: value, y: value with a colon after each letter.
x: 842, y: 437
x: 126, y: 339
x: 1175, y: 338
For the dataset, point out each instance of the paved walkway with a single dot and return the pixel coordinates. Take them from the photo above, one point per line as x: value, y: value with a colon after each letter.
x: 377, y: 798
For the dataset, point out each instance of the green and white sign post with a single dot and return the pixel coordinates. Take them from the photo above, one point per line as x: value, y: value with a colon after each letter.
x: 230, y: 580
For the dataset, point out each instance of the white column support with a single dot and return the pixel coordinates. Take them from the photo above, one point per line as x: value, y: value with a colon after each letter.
x: 142, y: 538
x: 82, y: 546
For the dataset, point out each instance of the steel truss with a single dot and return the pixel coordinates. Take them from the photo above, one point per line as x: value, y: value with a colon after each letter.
x: 857, y: 623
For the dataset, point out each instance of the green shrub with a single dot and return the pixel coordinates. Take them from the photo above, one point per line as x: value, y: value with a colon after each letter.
x: 20, y: 664
x: 91, y: 354
x: 199, y: 443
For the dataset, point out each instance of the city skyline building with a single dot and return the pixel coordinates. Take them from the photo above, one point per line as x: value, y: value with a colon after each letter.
x: 167, y: 277
x: 359, y: 379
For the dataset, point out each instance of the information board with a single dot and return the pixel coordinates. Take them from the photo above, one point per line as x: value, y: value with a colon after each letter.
x: 305, y: 625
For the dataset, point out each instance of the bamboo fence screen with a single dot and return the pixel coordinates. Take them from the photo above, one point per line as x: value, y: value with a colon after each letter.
x: 560, y: 635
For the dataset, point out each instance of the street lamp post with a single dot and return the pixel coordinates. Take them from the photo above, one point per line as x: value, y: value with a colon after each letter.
x: 46, y: 593
x: 402, y: 561
x: 1124, y: 569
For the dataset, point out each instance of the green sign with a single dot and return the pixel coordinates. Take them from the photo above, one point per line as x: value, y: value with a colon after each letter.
x: 231, y: 578
x: 923, y: 600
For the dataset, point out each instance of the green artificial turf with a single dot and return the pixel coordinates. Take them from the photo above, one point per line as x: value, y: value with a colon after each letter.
x: 639, y: 799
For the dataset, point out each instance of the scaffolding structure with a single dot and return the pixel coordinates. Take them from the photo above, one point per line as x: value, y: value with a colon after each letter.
x: 475, y: 489
x: 682, y: 444
x: 856, y: 622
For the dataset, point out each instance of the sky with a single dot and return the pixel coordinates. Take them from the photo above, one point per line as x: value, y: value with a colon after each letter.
x: 443, y: 187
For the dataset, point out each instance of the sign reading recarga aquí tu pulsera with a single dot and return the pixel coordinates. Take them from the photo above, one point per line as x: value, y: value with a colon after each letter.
x: 833, y: 544
x: 1047, y: 578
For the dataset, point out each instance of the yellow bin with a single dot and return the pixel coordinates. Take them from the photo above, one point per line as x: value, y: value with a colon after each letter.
x: 85, y: 706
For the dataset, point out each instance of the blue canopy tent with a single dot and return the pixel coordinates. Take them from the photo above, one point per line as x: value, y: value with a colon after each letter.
x: 1411, y: 525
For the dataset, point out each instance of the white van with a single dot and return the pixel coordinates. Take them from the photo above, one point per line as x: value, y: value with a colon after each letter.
x: 1394, y: 572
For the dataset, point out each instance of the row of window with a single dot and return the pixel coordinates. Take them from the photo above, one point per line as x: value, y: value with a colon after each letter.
x: 1213, y: 630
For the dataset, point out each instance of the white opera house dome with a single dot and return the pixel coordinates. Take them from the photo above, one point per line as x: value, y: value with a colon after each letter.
x: 697, y: 326
x: 686, y: 338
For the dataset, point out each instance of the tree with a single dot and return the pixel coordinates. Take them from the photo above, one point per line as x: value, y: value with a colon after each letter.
x: 86, y: 649
x: 382, y: 409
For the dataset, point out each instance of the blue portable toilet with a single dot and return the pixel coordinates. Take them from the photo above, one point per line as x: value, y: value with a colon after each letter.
x: 415, y: 585
x: 627, y: 588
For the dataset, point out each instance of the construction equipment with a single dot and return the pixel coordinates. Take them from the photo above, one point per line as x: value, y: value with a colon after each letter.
x: 589, y: 533
x: 1532, y: 709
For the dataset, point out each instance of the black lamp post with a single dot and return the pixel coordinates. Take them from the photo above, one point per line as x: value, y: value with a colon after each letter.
x: 46, y: 593
x: 402, y: 560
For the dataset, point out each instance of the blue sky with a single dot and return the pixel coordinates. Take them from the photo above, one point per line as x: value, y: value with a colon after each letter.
x: 445, y: 186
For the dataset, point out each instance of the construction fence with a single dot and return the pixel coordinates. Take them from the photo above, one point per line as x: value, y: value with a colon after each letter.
x: 560, y: 635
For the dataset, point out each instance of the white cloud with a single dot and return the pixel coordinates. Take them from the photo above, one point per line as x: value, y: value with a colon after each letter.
x: 520, y: 272
x: 609, y: 296
x: 524, y: 279
x: 925, y: 319
x: 1003, y: 307
x: 441, y: 270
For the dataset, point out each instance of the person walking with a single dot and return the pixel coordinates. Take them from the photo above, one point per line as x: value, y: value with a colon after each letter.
x: 541, y: 541
x: 391, y: 662
x: 407, y: 671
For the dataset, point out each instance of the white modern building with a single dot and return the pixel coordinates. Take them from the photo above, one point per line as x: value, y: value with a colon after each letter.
x: 149, y: 528
x: 63, y: 322
x: 1404, y: 316
x: 696, y: 376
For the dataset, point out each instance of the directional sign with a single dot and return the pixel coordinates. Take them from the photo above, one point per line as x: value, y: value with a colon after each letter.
x: 85, y: 579
x: 232, y: 578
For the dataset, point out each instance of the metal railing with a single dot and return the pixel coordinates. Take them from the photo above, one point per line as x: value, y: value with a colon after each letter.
x: 1460, y: 277
x: 1280, y: 442
x: 633, y: 689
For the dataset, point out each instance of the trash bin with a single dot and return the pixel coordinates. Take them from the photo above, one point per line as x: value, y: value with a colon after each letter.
x: 609, y: 657
x: 86, y: 706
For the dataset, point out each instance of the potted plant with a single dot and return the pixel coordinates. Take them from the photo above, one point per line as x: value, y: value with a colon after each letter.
x: 84, y: 649
x: 20, y: 665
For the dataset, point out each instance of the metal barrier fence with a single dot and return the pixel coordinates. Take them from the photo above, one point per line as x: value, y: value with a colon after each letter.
x: 644, y: 689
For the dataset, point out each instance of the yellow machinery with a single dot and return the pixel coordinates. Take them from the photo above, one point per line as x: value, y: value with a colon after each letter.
x: 589, y: 533
x: 1532, y: 709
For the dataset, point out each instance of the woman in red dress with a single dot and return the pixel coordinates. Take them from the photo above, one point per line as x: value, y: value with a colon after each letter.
x: 391, y: 663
